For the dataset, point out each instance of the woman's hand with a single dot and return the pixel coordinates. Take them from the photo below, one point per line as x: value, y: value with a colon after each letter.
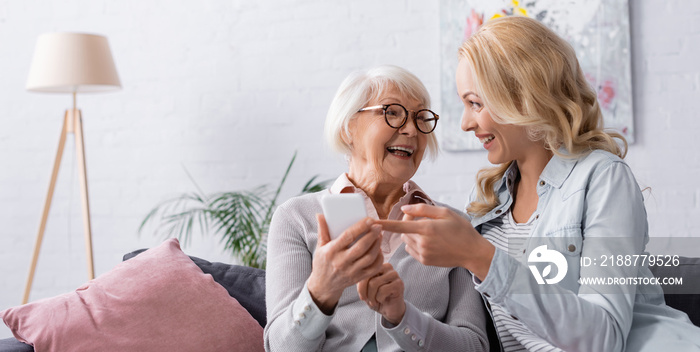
x: 337, y: 264
x: 442, y: 238
x: 384, y: 294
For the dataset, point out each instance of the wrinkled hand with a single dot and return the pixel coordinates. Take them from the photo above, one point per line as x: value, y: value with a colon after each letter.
x: 442, y: 238
x: 384, y: 294
x: 337, y: 265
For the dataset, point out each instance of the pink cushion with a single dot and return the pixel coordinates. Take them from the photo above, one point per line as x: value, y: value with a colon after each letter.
x: 157, y: 301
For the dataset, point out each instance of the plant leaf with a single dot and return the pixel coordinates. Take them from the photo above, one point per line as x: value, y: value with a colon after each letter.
x: 242, y: 219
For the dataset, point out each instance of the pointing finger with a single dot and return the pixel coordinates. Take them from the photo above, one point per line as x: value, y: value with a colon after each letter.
x: 400, y: 226
x: 426, y: 211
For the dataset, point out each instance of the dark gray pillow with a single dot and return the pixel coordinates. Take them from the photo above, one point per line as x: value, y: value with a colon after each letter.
x: 13, y: 345
x: 245, y: 284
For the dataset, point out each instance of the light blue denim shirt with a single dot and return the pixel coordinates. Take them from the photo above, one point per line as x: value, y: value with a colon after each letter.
x: 589, y: 207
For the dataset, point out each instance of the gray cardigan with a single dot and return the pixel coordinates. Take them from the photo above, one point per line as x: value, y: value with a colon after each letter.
x: 443, y: 310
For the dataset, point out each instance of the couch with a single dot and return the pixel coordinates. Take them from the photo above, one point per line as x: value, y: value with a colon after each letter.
x: 247, y: 285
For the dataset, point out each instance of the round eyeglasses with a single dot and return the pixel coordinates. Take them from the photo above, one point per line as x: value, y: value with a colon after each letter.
x: 396, y: 116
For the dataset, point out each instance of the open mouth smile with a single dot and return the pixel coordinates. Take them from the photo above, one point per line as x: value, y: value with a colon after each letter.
x: 485, y: 140
x: 400, y: 151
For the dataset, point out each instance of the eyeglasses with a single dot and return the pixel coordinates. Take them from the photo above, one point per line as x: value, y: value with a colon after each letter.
x: 396, y: 116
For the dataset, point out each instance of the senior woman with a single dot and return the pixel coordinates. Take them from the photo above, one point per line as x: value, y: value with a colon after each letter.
x: 325, y: 295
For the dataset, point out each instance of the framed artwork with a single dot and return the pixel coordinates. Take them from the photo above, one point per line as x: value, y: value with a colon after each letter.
x: 598, y: 30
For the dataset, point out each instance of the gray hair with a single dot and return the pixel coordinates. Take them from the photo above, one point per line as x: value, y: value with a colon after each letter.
x: 359, y: 88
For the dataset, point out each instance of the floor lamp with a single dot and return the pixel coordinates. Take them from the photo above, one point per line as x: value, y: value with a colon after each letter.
x: 70, y: 63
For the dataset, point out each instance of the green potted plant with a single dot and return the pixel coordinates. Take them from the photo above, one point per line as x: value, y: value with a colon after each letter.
x: 242, y: 218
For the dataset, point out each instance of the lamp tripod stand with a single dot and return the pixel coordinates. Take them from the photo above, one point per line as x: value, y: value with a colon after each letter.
x: 72, y: 123
x: 73, y: 63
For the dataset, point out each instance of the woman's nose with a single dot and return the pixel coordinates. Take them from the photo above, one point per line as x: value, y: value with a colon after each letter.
x: 468, y: 121
x: 409, y: 128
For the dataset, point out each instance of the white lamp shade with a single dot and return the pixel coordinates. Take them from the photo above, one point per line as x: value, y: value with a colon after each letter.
x: 72, y: 63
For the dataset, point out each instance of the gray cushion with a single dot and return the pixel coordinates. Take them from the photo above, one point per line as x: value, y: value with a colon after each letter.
x: 245, y: 284
x: 13, y: 345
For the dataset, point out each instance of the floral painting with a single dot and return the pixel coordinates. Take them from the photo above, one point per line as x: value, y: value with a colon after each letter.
x: 598, y: 30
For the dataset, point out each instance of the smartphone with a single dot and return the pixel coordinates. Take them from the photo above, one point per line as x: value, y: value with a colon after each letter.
x: 342, y: 211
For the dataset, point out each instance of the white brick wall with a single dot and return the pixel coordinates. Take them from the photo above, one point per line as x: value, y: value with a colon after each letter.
x: 229, y: 89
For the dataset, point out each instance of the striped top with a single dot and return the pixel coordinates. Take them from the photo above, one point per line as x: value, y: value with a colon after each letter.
x: 510, y: 236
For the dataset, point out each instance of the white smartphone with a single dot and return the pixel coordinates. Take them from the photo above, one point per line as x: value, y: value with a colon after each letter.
x: 342, y: 211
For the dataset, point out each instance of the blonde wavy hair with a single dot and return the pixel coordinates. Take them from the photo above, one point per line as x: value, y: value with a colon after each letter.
x: 527, y: 75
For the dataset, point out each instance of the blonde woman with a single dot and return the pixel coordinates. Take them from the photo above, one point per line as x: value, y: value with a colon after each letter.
x: 559, y: 192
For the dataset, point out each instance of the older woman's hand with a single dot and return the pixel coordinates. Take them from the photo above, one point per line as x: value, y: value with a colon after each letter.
x: 442, y: 238
x: 384, y: 294
x: 341, y: 263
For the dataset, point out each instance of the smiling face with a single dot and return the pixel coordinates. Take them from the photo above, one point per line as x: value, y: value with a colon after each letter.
x: 380, y: 153
x: 504, y: 142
